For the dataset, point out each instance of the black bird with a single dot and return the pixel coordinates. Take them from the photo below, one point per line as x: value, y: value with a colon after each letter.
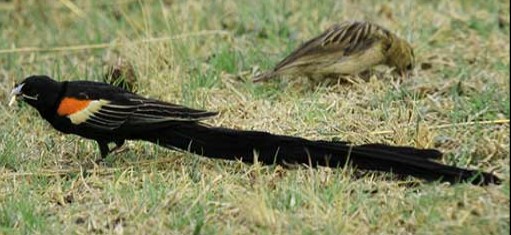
x: 109, y: 114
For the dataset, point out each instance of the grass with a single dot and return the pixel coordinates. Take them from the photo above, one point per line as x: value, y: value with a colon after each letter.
x: 203, y: 58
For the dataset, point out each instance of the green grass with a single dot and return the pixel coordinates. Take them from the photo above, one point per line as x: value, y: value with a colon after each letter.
x: 48, y: 184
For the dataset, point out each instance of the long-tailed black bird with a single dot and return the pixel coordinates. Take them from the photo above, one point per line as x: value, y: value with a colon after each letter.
x: 109, y: 114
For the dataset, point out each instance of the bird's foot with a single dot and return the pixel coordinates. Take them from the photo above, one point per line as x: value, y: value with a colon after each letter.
x: 100, y: 161
x: 119, y: 149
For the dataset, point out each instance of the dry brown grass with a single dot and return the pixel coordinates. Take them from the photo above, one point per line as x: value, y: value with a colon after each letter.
x: 203, y: 54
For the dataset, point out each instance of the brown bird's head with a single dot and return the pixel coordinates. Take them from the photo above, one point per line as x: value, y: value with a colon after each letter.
x: 400, y: 55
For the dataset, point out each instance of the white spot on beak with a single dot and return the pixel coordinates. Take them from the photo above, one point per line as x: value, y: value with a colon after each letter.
x: 12, y: 101
x: 15, y: 93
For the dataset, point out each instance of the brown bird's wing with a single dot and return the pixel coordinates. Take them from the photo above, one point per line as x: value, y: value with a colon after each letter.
x: 340, y: 40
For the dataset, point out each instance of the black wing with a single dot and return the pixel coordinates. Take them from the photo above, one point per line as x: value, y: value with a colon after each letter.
x: 110, y: 108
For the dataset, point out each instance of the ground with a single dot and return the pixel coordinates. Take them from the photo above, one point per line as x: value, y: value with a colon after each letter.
x: 203, y: 54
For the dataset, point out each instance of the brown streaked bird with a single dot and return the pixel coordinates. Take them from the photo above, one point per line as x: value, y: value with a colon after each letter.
x: 347, y: 48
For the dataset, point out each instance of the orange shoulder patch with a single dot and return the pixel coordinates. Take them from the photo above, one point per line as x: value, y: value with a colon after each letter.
x: 70, y: 106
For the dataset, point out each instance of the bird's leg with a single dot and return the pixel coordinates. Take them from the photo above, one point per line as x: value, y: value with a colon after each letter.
x: 366, y: 75
x: 103, y: 149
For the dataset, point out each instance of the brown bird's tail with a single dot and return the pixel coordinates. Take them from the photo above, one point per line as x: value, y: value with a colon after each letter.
x: 246, y: 146
x: 264, y: 76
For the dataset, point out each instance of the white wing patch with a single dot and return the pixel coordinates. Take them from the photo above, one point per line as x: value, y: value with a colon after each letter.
x: 85, y: 114
x: 105, y: 115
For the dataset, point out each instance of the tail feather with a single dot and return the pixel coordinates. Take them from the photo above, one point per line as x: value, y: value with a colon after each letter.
x: 408, y: 151
x: 264, y: 76
x: 231, y: 144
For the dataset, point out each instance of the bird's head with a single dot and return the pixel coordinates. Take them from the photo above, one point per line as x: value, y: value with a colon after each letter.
x: 400, y: 55
x: 40, y: 92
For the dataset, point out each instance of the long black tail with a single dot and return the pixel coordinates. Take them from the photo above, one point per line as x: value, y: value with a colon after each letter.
x: 231, y: 144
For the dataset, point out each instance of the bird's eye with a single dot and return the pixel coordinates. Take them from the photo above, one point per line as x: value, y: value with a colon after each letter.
x: 409, y: 67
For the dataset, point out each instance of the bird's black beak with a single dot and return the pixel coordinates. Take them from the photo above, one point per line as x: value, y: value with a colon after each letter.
x: 15, y: 93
